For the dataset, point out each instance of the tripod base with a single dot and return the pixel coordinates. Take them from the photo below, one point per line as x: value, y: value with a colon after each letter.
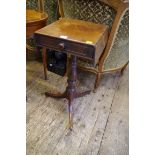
x: 70, y: 94
x: 64, y: 95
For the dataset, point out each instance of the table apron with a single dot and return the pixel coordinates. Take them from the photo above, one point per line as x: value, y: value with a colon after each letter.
x: 81, y: 50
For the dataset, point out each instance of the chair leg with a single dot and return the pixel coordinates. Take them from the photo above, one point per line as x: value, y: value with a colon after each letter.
x: 97, y: 81
x: 44, y: 62
x: 122, y: 70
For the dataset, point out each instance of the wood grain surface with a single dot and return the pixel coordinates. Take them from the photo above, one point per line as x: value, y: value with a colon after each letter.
x: 100, y: 119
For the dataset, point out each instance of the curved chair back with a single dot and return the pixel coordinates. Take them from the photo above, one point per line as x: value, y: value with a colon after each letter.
x: 116, y: 54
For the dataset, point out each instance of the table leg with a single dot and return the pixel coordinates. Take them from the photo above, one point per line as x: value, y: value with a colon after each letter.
x: 71, y: 89
x: 56, y: 95
x: 81, y: 94
x: 70, y: 92
x: 44, y: 62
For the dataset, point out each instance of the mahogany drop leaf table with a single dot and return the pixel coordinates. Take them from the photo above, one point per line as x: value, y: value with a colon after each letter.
x: 78, y: 38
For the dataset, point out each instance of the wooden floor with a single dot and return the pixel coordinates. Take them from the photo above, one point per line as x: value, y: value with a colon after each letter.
x: 100, y: 119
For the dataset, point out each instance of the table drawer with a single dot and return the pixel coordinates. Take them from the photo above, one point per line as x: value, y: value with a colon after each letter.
x: 81, y: 50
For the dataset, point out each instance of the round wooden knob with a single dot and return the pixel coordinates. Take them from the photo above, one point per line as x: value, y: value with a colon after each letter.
x: 61, y: 46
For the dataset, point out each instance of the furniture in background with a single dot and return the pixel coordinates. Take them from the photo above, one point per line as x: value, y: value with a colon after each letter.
x: 48, y: 6
x: 78, y: 38
x: 113, y: 13
x: 35, y: 20
x: 39, y: 13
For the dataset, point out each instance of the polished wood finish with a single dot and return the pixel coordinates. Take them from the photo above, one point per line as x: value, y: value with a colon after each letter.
x: 83, y: 39
x: 78, y: 38
x: 61, y: 8
x: 35, y: 20
x: 41, y: 5
x: 44, y: 62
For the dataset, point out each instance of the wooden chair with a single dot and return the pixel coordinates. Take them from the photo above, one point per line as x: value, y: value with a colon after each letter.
x: 115, y: 14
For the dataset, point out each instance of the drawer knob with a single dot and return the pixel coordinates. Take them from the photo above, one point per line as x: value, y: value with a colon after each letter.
x: 61, y: 46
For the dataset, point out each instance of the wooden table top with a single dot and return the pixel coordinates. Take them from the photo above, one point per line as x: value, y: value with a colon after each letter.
x: 34, y: 16
x: 75, y: 30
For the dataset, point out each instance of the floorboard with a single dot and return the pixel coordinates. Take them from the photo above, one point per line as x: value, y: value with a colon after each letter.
x: 100, y: 119
x: 116, y: 137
